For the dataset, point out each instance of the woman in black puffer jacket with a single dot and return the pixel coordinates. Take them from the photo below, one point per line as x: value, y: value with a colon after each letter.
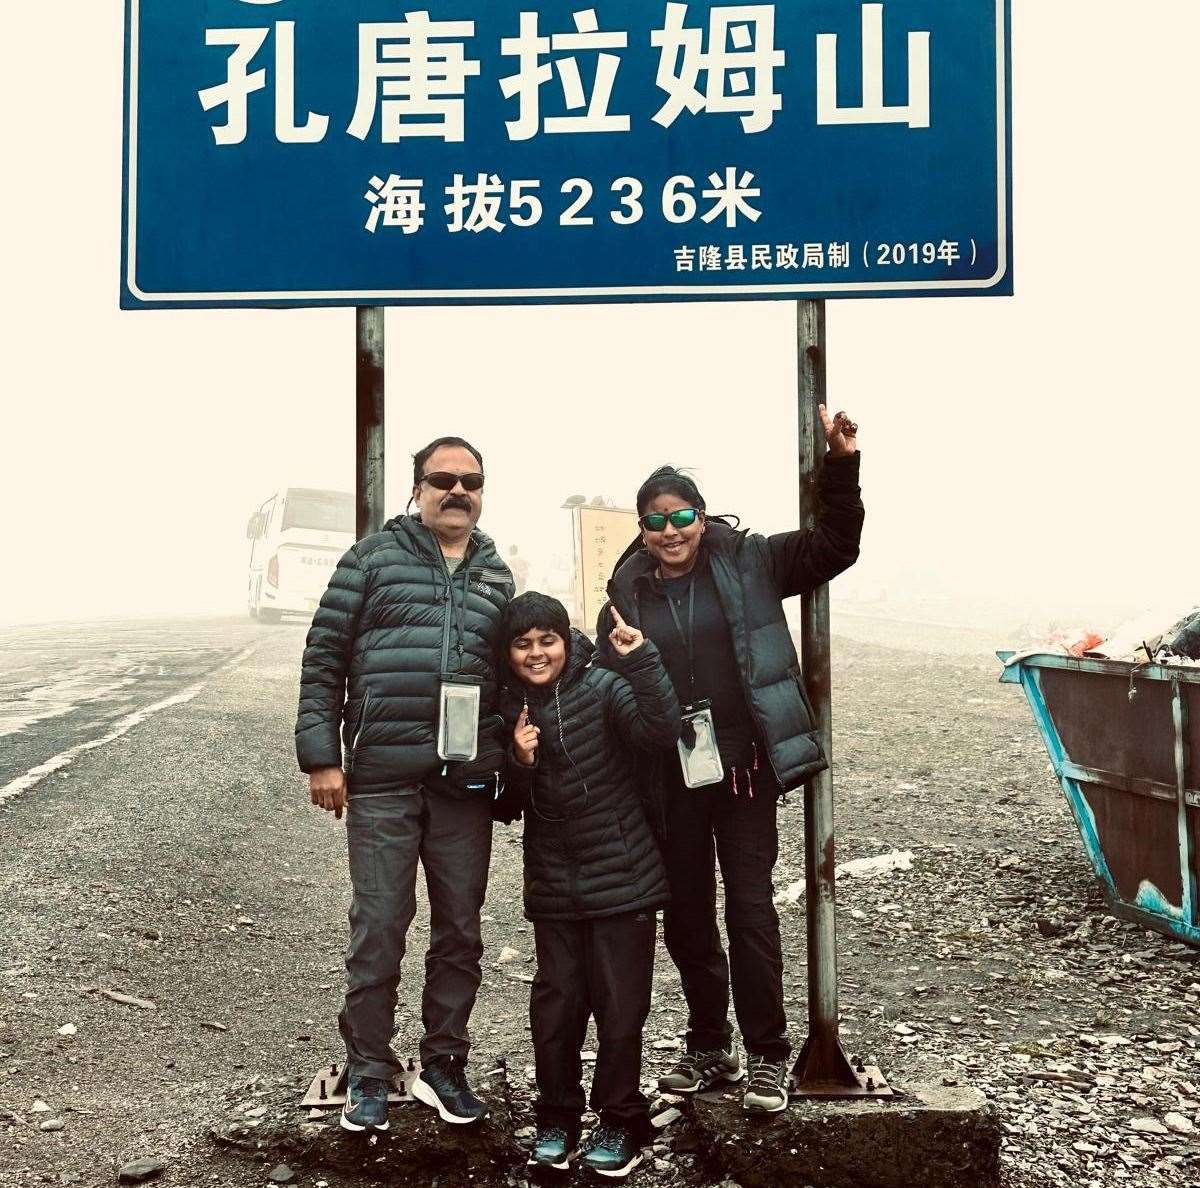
x: 594, y: 879
x: 712, y: 599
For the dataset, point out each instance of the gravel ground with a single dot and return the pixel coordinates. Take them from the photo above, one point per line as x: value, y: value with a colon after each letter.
x: 182, y: 867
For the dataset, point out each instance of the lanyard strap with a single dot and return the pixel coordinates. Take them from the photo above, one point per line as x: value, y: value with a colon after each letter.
x: 689, y: 641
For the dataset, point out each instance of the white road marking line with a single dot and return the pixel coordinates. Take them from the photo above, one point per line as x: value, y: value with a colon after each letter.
x: 122, y: 726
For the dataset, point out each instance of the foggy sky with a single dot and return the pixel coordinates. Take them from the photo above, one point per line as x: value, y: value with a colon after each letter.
x: 1036, y: 450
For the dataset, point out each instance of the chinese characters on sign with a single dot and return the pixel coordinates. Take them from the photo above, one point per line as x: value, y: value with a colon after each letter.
x: 601, y: 536
x: 413, y: 73
x: 476, y: 205
x: 591, y: 135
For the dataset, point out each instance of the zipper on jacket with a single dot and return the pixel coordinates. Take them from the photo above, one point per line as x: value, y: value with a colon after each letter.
x: 562, y: 742
x: 445, y: 594
x: 745, y: 678
x: 449, y: 609
x: 568, y: 839
x: 447, y: 599
x: 462, y: 612
x: 362, y: 721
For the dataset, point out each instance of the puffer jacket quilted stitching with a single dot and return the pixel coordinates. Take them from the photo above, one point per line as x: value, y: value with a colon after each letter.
x: 589, y: 848
x: 753, y: 574
x: 390, y: 622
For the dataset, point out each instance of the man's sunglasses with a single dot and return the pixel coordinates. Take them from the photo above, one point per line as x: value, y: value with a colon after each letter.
x: 683, y: 517
x: 443, y: 480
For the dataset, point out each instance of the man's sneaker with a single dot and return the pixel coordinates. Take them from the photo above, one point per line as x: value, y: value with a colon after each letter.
x: 694, y: 1071
x: 366, y: 1105
x: 766, y: 1090
x: 442, y: 1084
x: 553, y: 1147
x: 611, y: 1151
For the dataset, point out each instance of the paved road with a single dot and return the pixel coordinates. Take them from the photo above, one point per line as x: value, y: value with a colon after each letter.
x: 68, y: 686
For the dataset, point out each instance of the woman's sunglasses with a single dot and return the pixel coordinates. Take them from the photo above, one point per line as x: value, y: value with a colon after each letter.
x: 443, y: 480
x: 683, y: 517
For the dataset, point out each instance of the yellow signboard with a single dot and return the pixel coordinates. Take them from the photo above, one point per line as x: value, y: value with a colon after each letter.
x: 601, y: 535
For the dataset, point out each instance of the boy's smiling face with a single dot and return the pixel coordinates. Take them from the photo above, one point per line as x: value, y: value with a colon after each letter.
x: 538, y: 656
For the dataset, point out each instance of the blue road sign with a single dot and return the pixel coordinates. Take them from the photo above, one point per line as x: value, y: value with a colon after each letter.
x: 291, y: 152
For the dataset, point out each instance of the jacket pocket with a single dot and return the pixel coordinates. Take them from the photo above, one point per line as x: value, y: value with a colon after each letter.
x: 358, y: 729
x: 619, y: 822
x: 798, y: 676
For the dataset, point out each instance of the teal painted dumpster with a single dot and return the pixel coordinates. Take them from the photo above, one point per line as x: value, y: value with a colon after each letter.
x: 1124, y: 741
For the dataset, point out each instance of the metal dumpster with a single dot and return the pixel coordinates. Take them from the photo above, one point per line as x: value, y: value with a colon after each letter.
x: 1124, y: 741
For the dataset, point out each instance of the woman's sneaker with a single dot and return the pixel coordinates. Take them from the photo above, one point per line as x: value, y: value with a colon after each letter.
x: 366, y: 1105
x: 766, y: 1090
x: 694, y: 1071
x: 553, y: 1147
x: 611, y: 1151
x: 442, y: 1084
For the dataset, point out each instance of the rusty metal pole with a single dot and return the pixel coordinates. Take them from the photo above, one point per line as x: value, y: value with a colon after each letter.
x: 821, y: 1069
x: 368, y: 453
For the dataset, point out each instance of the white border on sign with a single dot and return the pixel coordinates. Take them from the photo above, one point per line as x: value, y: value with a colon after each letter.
x: 377, y: 296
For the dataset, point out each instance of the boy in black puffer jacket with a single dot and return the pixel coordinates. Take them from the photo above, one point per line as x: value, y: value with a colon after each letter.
x: 594, y: 879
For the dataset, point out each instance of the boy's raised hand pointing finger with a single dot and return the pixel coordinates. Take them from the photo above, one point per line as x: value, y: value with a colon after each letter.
x: 525, y: 739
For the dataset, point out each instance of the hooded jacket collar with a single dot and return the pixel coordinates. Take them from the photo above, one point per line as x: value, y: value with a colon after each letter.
x: 423, y: 539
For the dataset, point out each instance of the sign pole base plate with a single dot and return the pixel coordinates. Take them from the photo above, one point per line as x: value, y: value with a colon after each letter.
x: 823, y: 1072
x: 328, y: 1087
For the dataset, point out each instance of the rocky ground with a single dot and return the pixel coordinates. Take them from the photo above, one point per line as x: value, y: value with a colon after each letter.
x: 172, y: 925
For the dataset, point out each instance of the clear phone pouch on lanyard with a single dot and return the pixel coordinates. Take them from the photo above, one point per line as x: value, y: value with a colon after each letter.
x: 458, y: 717
x: 699, y: 759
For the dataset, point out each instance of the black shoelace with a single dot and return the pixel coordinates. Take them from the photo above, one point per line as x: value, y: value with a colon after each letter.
x: 765, y: 1074
x: 605, y: 1136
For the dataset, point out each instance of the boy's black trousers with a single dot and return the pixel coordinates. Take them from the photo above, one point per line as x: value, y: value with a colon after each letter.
x: 602, y: 967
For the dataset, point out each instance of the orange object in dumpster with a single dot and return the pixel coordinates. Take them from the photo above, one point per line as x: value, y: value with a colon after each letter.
x: 1077, y: 641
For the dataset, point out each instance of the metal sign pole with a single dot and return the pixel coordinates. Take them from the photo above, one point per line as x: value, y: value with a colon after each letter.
x: 368, y: 454
x: 821, y: 1069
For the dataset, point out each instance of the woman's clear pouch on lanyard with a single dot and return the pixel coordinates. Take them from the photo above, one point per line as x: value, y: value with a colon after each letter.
x: 458, y: 716
x: 699, y: 759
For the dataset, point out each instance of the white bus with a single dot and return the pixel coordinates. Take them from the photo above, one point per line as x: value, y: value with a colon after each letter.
x: 296, y: 538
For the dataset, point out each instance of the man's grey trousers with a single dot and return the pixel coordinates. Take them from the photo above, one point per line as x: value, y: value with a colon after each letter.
x: 387, y: 834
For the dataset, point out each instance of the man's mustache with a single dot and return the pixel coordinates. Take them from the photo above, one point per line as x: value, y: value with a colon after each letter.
x: 459, y: 501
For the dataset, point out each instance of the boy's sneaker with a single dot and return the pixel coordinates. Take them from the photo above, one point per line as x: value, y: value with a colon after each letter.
x: 611, y: 1151
x: 695, y: 1071
x: 366, y: 1105
x: 766, y: 1091
x: 553, y: 1147
x: 442, y: 1084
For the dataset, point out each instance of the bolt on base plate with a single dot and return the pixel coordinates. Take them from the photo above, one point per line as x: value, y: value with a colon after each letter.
x: 328, y: 1087
x: 870, y: 1083
x: 822, y: 1070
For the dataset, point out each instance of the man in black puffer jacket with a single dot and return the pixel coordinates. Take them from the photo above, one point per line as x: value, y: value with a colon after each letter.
x: 594, y: 879
x: 407, y: 607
